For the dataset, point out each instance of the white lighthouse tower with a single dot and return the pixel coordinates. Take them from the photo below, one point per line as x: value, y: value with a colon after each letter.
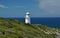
x: 27, y: 18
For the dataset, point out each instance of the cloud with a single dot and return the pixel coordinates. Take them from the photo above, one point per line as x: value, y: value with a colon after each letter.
x: 15, y: 6
x: 50, y: 6
x: 3, y: 6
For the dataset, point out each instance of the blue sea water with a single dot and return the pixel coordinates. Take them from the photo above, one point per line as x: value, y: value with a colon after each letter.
x: 48, y: 21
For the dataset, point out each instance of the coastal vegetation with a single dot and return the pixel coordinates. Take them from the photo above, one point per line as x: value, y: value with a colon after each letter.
x: 11, y: 28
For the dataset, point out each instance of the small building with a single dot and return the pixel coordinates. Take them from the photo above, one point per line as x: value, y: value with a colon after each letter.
x: 27, y: 18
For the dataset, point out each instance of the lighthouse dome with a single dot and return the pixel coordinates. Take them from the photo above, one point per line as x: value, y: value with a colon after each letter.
x: 27, y: 13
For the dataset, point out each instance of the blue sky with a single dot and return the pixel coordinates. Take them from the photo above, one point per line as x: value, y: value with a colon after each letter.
x: 37, y: 8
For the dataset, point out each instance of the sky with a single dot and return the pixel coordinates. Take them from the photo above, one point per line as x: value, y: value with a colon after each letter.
x: 37, y: 8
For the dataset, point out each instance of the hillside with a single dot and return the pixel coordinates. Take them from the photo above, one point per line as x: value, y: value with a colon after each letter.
x: 10, y: 28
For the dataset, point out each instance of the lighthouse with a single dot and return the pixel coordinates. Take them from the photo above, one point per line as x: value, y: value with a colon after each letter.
x: 27, y: 18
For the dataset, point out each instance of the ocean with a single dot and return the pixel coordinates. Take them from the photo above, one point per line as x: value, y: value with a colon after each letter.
x: 48, y: 21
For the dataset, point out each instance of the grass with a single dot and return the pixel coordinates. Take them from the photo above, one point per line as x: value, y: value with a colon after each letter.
x: 15, y: 29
